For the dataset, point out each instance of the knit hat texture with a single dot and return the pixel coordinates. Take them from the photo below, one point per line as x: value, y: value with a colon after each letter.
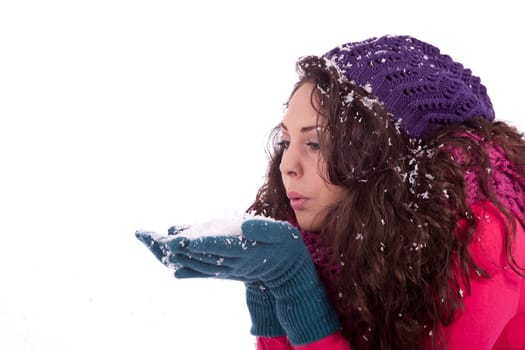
x: 421, y: 87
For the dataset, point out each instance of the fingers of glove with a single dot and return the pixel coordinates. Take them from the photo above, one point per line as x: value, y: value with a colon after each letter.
x: 185, y: 272
x: 150, y: 240
x: 173, y: 244
x: 146, y: 237
x: 213, y: 269
x: 224, y: 246
x: 184, y: 258
x: 176, y: 229
x: 268, y: 231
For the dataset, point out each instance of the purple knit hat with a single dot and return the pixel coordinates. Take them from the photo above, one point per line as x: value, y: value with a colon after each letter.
x: 418, y: 85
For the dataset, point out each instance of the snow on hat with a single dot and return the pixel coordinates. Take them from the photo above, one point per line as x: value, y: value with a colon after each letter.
x: 419, y: 86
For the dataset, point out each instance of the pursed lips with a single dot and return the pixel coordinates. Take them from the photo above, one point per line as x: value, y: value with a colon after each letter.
x: 297, y: 200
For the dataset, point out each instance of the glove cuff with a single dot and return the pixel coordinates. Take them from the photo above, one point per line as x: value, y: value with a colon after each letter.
x: 303, y: 308
x: 261, y: 305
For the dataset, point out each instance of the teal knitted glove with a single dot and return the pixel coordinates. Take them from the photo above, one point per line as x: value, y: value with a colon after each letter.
x: 269, y: 252
x: 153, y: 241
x: 260, y: 302
x: 261, y: 305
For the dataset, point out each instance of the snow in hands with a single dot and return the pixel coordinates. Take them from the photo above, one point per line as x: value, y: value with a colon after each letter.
x: 227, y: 228
x: 223, y: 226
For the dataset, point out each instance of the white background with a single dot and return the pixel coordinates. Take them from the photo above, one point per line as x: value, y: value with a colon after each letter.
x: 125, y: 115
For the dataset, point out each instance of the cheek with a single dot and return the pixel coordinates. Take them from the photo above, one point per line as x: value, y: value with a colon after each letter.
x: 322, y: 169
x: 333, y: 194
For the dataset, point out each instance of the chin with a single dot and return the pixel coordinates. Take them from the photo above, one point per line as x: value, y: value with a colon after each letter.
x: 307, y: 222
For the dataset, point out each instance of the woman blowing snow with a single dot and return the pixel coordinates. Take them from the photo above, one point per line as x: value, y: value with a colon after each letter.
x: 394, y: 209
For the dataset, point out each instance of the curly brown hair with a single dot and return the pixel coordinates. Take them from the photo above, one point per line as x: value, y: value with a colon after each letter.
x: 403, y: 259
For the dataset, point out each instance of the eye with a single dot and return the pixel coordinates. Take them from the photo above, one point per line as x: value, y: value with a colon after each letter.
x: 314, y: 146
x: 283, y: 144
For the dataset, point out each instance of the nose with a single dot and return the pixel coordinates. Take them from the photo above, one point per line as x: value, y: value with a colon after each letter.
x: 291, y: 165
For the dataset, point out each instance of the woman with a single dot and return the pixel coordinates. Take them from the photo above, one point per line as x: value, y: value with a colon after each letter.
x: 410, y: 202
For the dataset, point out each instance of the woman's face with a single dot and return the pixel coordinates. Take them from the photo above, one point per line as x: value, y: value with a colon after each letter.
x: 303, y: 169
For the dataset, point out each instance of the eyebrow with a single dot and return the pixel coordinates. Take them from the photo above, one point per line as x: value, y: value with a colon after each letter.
x: 303, y: 129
